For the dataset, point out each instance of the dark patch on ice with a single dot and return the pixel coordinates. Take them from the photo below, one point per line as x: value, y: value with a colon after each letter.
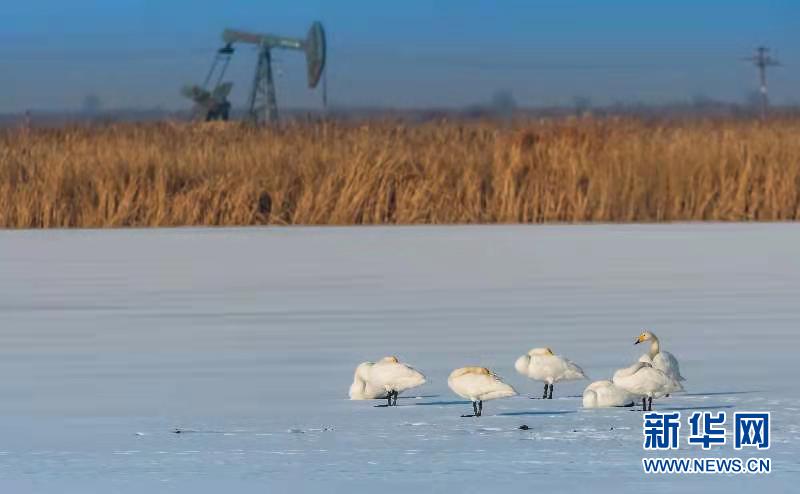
x: 178, y: 430
x: 418, y: 397
x: 720, y: 393
x: 452, y: 402
x: 523, y: 427
x: 556, y: 412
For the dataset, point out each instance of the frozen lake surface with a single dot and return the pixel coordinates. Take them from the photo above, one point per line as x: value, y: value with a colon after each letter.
x: 247, y: 340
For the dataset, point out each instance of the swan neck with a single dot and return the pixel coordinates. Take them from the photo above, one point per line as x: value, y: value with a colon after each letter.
x: 655, y: 348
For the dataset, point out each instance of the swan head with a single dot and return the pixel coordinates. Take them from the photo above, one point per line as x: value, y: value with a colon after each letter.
x: 645, y: 336
x: 541, y: 351
x: 522, y: 363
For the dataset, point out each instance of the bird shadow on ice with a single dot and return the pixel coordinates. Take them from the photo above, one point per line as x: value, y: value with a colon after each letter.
x: 417, y: 397
x: 450, y: 402
x: 555, y: 412
x: 710, y: 407
x: 719, y: 393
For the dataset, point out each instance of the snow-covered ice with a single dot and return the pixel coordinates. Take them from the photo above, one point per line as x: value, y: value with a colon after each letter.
x: 245, y: 341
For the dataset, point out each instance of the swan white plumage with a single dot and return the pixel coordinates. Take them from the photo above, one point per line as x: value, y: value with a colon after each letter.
x: 478, y: 384
x: 541, y: 364
x: 386, y: 378
x: 605, y: 394
x: 642, y: 379
x: 661, y: 360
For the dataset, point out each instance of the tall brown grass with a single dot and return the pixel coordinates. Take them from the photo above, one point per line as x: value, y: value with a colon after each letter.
x: 584, y: 170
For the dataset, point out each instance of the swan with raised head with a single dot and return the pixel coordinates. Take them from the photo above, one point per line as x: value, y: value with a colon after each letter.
x: 386, y: 378
x: 642, y: 379
x: 541, y: 364
x: 661, y: 360
x: 478, y: 384
x: 605, y: 394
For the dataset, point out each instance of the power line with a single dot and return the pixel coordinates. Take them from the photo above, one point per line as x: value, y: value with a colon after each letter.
x: 762, y: 60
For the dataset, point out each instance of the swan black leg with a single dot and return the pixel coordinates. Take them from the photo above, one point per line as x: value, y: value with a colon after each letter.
x: 544, y: 396
x: 480, y: 408
x: 389, y: 399
x: 475, y: 412
x: 550, y: 396
x: 644, y: 403
x: 650, y: 404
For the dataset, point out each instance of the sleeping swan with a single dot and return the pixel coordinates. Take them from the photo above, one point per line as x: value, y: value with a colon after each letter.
x: 642, y: 379
x: 385, y: 378
x: 478, y: 384
x: 604, y: 394
x: 661, y: 360
x: 541, y: 364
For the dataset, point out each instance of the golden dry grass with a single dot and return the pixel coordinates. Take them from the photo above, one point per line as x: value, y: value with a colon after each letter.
x: 583, y: 170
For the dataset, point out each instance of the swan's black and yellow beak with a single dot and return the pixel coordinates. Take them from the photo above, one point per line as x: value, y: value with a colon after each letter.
x: 637, y: 341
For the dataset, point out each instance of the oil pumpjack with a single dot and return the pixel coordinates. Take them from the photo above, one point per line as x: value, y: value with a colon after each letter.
x: 262, y: 106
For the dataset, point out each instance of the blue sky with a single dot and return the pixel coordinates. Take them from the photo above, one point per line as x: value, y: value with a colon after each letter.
x: 137, y: 53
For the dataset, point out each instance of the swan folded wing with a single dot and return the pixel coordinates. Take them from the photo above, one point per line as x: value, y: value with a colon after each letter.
x: 362, y: 389
x: 604, y: 394
x: 667, y: 362
x: 481, y: 386
x: 572, y: 371
x: 395, y: 376
x: 646, y: 381
x: 553, y: 368
x: 672, y: 385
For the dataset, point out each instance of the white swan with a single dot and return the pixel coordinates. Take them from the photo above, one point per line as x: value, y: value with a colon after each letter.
x: 478, y: 384
x: 660, y: 359
x: 541, y: 364
x: 642, y: 379
x: 385, y: 378
x: 604, y: 394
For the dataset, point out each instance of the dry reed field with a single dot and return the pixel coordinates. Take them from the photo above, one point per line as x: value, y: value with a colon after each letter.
x: 329, y: 173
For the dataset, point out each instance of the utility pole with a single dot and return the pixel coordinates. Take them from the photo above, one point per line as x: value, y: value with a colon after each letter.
x: 325, y: 92
x: 762, y: 60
